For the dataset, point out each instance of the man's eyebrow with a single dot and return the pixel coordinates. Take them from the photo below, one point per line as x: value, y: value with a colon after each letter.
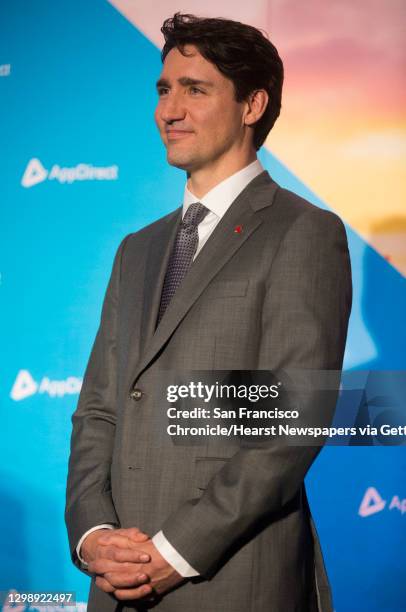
x: 185, y: 81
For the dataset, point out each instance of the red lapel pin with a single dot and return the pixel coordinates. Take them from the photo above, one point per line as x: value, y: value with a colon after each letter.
x: 238, y: 229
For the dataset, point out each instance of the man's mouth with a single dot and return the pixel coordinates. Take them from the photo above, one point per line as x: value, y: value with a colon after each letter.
x: 177, y: 134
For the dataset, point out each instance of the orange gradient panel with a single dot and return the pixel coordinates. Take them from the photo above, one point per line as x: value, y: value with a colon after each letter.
x: 343, y: 126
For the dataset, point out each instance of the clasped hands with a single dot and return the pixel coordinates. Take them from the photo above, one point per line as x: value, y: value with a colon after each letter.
x: 127, y: 564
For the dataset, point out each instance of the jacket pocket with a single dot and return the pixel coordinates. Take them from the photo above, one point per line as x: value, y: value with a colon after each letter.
x: 228, y: 288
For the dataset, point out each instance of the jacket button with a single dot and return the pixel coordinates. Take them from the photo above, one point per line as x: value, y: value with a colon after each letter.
x: 136, y: 394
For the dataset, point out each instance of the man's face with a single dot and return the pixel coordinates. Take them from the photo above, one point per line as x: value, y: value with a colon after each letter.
x: 198, y: 118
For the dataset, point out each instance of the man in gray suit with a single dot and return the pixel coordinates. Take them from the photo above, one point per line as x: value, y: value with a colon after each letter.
x: 244, y: 276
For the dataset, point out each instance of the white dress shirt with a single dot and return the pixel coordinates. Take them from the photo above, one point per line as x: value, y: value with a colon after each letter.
x: 217, y: 200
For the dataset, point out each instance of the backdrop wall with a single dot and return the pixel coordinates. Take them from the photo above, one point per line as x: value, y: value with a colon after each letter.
x: 80, y: 163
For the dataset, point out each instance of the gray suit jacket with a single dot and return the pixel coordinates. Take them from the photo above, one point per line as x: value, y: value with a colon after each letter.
x: 275, y: 295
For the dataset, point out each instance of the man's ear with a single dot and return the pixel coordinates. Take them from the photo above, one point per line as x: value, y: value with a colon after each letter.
x: 256, y: 106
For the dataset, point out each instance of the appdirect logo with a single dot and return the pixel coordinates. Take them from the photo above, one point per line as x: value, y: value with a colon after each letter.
x: 372, y: 503
x: 24, y: 386
x: 36, y: 173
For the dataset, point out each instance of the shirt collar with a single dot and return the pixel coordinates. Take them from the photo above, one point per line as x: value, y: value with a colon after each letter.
x: 220, y: 198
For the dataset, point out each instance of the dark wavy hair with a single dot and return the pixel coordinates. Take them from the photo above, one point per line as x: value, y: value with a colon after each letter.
x: 240, y: 52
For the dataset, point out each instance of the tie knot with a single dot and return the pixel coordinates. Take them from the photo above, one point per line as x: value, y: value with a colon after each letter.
x: 194, y: 214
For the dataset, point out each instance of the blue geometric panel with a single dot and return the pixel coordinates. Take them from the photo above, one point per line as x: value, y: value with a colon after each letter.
x: 82, y: 166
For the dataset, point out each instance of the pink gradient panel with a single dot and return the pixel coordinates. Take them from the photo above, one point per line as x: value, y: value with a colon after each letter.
x: 344, y: 99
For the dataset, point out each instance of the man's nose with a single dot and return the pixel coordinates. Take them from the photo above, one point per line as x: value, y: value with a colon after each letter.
x: 173, y: 108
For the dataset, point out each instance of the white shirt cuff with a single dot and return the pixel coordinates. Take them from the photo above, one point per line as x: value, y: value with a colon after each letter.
x: 173, y: 557
x: 84, y: 536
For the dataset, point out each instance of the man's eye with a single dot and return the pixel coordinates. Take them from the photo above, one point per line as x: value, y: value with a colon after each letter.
x: 195, y: 90
x: 162, y: 91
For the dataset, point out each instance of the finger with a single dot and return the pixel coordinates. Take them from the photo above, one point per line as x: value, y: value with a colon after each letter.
x: 125, y: 539
x: 136, y: 535
x: 121, y: 555
x: 132, y: 556
x: 124, y: 594
x: 104, y: 584
x: 116, y: 540
x: 142, y: 537
x: 131, y: 532
x: 101, y: 566
x: 126, y: 579
x: 119, y: 540
x: 117, y: 535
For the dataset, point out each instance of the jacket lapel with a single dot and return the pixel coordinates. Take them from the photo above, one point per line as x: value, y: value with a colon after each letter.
x: 220, y: 247
x: 159, y: 250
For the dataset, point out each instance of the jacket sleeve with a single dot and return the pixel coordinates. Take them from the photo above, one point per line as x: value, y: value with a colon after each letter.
x: 88, y: 495
x: 304, y: 325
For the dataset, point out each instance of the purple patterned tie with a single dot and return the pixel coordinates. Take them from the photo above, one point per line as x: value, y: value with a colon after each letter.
x: 181, y: 257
